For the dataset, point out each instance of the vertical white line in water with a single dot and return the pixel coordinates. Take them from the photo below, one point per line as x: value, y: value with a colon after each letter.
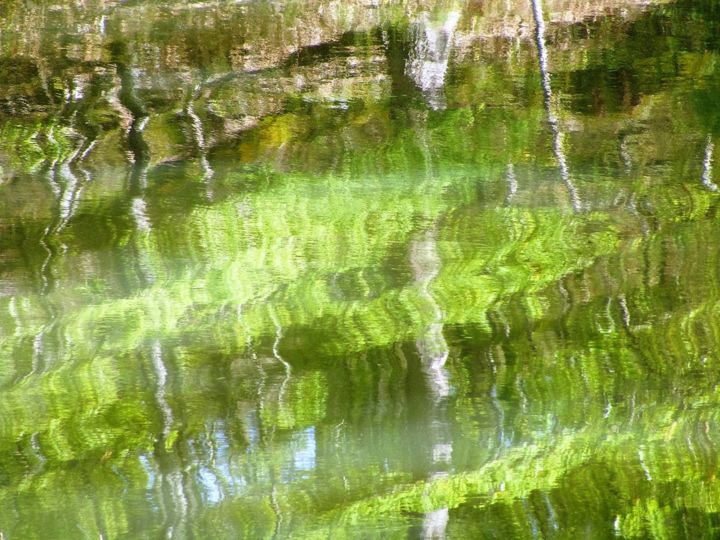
x: 141, y: 125
x: 277, y: 356
x: 625, y: 311
x: 643, y: 465
x: 512, y: 183
x: 13, y: 310
x: 433, y: 350
x: 552, y: 119
x: 542, y: 51
x: 180, y: 502
x: 497, y: 405
x: 625, y: 154
x: 707, y: 165
x: 139, y: 206
x: 435, y: 523
x: 197, y: 126
x: 38, y: 347
x: 161, y: 381
x: 138, y: 210
x: 283, y: 386
x: 428, y: 60
x: 276, y: 511
x: 70, y: 193
x: 173, y: 479
x: 432, y: 346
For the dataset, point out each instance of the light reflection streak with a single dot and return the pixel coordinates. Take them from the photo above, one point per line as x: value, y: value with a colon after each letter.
x: 552, y: 118
x: 197, y: 129
x: 428, y: 61
x: 707, y: 174
x: 278, y: 357
x: 432, y: 346
x: 161, y: 375
x: 67, y: 189
x: 433, y: 350
x: 625, y: 154
x: 512, y: 183
x: 212, y: 490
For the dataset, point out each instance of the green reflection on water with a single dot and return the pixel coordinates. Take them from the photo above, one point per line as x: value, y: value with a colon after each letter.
x: 323, y: 270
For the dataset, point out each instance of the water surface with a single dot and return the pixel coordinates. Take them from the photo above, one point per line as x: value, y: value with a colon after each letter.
x: 359, y: 269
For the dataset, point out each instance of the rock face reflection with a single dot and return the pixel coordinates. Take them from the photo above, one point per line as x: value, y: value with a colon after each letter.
x: 414, y: 268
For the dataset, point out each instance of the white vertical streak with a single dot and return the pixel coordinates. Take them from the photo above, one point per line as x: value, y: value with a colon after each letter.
x: 432, y: 346
x: 428, y: 61
x: 197, y: 128
x: 277, y: 356
x: 707, y: 165
x: 552, y: 119
x: 512, y: 183
x: 433, y: 349
x: 161, y: 381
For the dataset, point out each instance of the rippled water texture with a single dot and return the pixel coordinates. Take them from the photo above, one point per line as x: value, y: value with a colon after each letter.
x: 342, y: 269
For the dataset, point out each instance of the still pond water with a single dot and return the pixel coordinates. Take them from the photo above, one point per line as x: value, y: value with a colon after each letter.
x: 356, y: 269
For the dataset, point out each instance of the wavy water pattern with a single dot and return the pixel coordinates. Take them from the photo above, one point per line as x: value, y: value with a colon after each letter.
x: 420, y: 269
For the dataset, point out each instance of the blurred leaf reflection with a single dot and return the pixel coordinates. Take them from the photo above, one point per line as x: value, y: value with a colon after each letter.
x: 432, y: 269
